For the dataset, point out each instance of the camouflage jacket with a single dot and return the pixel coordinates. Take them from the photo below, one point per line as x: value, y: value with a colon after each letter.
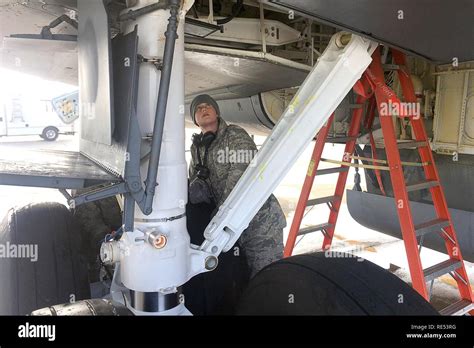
x: 228, y: 157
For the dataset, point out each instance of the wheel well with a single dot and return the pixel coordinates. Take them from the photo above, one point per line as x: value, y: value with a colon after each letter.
x: 47, y: 127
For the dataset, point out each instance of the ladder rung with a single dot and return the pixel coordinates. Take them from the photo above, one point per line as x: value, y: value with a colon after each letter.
x: 420, y: 185
x: 314, y: 228
x: 340, y: 139
x: 390, y: 67
x: 331, y: 170
x: 431, y: 226
x: 458, y: 308
x: 379, y: 145
x: 438, y: 270
x: 411, y: 144
x: 403, y: 144
x: 321, y: 200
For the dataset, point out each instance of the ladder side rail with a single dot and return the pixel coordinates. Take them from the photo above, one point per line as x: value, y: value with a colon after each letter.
x: 384, y: 94
x: 431, y: 172
x: 342, y: 177
x: 307, y: 186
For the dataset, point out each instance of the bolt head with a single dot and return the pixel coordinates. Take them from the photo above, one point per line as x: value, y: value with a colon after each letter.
x: 157, y: 240
x: 211, y: 263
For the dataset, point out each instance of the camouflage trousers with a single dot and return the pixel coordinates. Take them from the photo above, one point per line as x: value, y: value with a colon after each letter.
x: 262, y: 241
x: 262, y: 252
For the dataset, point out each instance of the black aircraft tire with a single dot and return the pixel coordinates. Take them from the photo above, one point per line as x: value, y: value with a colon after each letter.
x: 314, y: 284
x: 59, y: 273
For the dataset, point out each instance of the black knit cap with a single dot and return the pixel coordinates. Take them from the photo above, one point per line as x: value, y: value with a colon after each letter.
x: 202, y: 98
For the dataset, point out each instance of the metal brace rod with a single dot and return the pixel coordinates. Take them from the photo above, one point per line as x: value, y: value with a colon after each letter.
x: 413, y: 164
x: 330, y: 206
x: 96, y: 195
x: 171, y: 36
x: 349, y: 164
x: 46, y: 30
x: 420, y: 245
x: 448, y: 236
x: 262, y: 28
x: 66, y: 195
x: 134, y: 14
x: 430, y: 292
x: 325, y: 233
x: 455, y: 273
x: 158, y: 63
x: 338, y: 69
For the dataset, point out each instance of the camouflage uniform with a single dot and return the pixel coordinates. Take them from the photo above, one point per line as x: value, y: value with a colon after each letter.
x: 262, y: 241
x: 96, y: 220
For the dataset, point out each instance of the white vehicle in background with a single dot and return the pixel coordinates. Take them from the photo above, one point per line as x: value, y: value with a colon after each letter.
x: 46, y: 118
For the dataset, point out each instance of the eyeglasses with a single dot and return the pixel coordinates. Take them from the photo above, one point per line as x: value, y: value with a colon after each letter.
x: 201, y: 108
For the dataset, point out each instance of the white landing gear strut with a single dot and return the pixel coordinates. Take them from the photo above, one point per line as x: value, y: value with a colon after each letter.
x: 155, y: 259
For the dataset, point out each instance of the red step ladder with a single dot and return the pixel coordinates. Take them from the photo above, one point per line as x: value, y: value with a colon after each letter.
x: 372, y: 88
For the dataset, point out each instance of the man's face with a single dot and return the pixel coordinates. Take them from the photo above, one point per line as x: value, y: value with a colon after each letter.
x: 206, y: 115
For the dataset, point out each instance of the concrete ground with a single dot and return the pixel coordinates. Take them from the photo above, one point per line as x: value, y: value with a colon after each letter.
x: 386, y: 251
